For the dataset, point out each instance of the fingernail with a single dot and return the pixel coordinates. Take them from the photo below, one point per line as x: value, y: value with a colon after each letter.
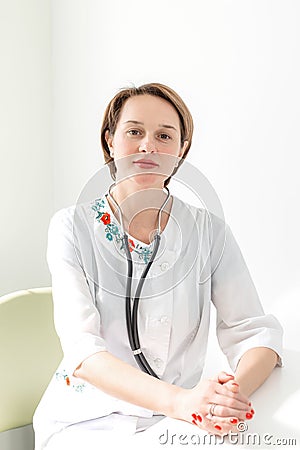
x: 194, y: 422
x: 249, y: 403
x: 229, y: 375
x: 233, y: 421
x: 217, y: 427
x: 194, y: 416
x: 249, y: 416
x: 199, y: 418
x: 235, y: 384
x: 252, y: 411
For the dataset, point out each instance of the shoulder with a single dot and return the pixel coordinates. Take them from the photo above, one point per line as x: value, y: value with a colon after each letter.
x: 62, y: 219
x: 209, y: 218
x: 64, y: 214
x: 77, y: 212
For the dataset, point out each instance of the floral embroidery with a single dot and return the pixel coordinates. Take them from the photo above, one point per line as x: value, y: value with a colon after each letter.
x: 112, y: 232
x: 63, y: 376
x: 105, y: 218
x: 132, y: 245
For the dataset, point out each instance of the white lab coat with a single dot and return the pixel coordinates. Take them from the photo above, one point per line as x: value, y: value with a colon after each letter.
x: 198, y: 262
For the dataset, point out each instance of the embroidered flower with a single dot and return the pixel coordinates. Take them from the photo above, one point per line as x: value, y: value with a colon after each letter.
x: 63, y: 376
x: 112, y: 232
x: 79, y: 387
x: 131, y: 246
x: 114, y: 229
x: 105, y: 218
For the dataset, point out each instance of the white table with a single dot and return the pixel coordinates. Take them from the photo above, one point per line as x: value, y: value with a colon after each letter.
x: 276, y: 402
x: 277, y: 406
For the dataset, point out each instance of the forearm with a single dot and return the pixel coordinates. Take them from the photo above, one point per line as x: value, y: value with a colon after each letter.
x: 121, y: 380
x: 254, y: 368
x: 127, y: 383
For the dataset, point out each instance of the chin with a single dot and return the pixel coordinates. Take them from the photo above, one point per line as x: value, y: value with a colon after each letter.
x: 149, y: 180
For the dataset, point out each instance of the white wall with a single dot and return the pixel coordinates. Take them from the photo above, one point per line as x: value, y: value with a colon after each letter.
x: 25, y: 143
x: 236, y: 64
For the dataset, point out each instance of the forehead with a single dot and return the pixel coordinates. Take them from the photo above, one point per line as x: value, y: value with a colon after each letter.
x: 149, y: 107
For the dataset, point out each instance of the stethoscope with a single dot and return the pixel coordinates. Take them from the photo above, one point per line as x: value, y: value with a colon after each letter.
x: 131, y: 315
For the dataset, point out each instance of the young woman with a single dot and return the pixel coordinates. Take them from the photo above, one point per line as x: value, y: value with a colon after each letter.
x: 133, y: 275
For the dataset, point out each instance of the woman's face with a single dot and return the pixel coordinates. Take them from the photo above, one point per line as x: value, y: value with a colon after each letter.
x: 148, y: 129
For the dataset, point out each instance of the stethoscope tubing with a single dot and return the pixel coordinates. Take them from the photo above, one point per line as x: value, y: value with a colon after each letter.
x: 132, y: 315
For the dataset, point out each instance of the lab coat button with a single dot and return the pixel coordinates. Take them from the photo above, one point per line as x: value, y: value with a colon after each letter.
x: 164, y: 266
x: 158, y: 362
x: 164, y: 319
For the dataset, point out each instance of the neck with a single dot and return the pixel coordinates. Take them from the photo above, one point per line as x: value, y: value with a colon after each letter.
x: 139, y: 206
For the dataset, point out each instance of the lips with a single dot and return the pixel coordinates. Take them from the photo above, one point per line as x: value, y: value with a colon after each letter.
x: 146, y: 163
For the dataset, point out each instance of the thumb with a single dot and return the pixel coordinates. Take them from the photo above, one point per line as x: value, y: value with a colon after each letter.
x: 224, y: 377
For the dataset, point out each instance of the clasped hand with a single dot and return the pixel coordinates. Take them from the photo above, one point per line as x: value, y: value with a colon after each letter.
x: 215, y: 405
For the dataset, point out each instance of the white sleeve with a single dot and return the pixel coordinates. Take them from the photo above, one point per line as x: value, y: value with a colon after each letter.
x: 241, y: 321
x: 76, y: 318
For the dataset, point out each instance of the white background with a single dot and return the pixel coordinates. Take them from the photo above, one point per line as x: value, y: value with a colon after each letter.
x: 235, y: 64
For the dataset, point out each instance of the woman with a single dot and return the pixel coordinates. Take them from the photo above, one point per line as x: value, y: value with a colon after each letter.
x: 117, y: 376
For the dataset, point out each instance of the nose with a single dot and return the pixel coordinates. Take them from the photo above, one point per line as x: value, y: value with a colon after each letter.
x: 147, y: 146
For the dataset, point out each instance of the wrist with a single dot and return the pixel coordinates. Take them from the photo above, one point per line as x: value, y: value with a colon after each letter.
x: 176, y: 404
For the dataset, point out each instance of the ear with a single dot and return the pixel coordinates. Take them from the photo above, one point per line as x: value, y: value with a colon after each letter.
x: 109, y: 139
x: 182, y: 150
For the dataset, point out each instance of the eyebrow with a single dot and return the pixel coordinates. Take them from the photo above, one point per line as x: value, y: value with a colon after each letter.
x: 160, y: 124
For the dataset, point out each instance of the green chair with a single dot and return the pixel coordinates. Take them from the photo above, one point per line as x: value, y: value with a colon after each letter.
x: 30, y: 352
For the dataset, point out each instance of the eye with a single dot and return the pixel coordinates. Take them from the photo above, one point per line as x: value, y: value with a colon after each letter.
x: 133, y: 132
x: 164, y: 136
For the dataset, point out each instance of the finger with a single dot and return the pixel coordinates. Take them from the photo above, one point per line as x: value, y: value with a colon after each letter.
x: 232, y: 402
x: 218, y: 425
x: 231, y: 423
x: 234, y: 387
x: 231, y: 389
x: 224, y: 377
x: 227, y: 411
x: 224, y: 425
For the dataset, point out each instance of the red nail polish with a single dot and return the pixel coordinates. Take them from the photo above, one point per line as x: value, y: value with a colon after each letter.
x: 249, y: 416
x: 249, y: 403
x: 252, y: 411
x: 199, y: 418
x: 194, y: 422
x: 233, y: 421
x: 194, y: 416
x: 217, y: 427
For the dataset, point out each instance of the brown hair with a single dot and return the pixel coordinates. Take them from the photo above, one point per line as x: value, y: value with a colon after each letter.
x: 113, y: 111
